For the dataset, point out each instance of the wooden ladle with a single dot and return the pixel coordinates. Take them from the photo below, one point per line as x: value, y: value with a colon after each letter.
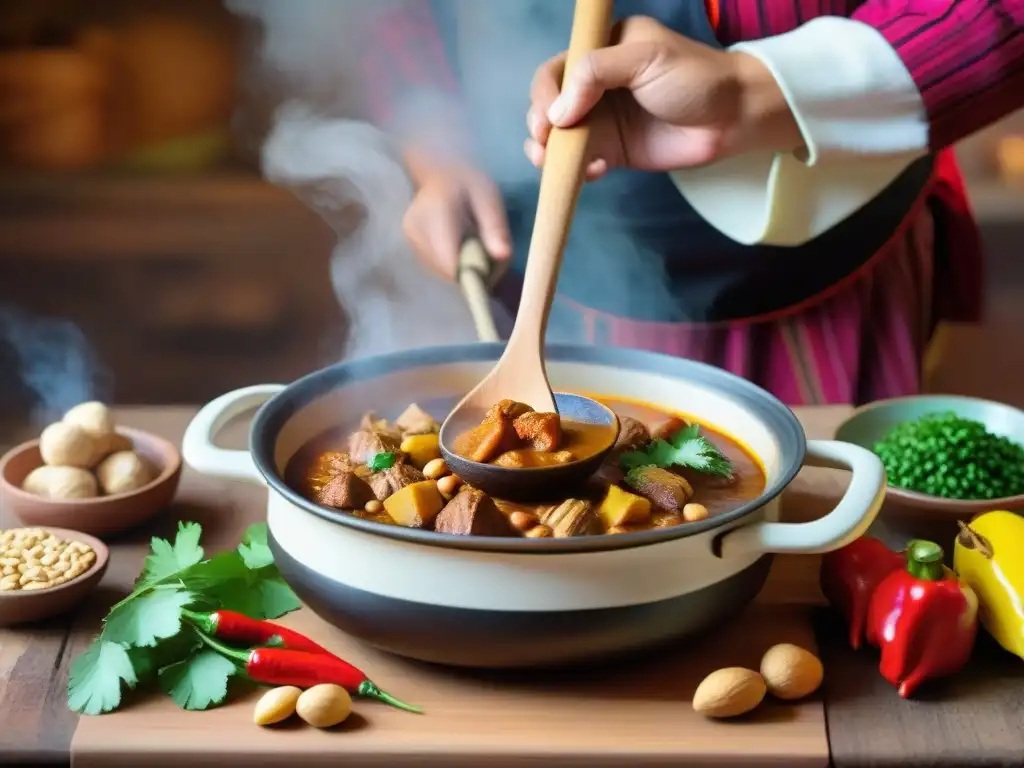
x: 520, y: 373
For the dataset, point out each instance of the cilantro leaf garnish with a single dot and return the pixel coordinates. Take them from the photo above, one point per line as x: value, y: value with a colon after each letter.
x: 382, y: 461
x: 147, y: 619
x: 686, y: 448
x: 148, y: 661
x: 199, y: 682
x: 143, y: 637
x: 167, y: 559
x: 95, y: 679
x: 254, y: 548
x: 277, y: 598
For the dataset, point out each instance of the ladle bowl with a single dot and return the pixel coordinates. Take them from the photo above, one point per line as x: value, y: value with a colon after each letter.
x: 531, y: 483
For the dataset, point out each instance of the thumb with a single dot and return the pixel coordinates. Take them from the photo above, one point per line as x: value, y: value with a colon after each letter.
x: 619, y: 66
x: 488, y: 210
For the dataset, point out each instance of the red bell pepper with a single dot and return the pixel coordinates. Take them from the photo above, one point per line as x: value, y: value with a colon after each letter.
x: 849, y: 575
x: 922, y: 619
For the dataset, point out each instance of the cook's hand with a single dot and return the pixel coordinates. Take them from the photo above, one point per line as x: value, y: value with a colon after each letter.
x: 671, y: 102
x: 451, y: 201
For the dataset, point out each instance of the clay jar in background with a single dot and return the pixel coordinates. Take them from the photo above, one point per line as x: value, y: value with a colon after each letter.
x: 170, y: 77
x: 52, y: 112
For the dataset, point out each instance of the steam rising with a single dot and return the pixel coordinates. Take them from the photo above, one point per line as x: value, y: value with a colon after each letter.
x: 323, y: 148
x: 329, y: 146
x: 53, y: 359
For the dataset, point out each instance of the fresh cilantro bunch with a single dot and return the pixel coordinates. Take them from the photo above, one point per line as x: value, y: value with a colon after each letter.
x: 686, y: 448
x: 144, y: 639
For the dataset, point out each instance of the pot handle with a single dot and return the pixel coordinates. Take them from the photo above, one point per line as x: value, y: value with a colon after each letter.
x: 849, y: 520
x: 197, y: 448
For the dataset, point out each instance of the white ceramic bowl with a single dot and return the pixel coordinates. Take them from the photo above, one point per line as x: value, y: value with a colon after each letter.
x: 493, y: 602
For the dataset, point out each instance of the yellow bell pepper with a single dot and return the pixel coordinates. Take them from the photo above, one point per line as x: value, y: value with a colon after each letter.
x: 988, y: 558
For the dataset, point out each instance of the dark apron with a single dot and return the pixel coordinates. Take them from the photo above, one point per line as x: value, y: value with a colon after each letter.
x: 639, y: 250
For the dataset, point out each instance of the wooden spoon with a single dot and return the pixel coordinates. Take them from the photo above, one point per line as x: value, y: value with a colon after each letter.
x: 520, y: 373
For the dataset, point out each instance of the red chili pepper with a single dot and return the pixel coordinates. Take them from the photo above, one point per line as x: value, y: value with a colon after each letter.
x: 849, y: 575
x: 280, y: 666
x: 923, y: 620
x: 239, y: 629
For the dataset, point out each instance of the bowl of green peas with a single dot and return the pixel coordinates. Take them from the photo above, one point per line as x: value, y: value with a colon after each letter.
x: 946, y: 457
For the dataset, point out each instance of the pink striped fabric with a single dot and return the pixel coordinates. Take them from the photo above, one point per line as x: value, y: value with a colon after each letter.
x: 966, y: 56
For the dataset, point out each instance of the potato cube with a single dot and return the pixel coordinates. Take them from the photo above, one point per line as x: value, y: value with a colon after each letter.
x: 421, y: 449
x: 621, y: 507
x: 416, y: 505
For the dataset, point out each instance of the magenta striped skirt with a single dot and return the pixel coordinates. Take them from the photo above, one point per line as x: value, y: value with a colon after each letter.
x: 865, y: 341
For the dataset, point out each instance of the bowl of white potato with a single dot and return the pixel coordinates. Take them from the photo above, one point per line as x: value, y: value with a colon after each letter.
x: 88, y: 474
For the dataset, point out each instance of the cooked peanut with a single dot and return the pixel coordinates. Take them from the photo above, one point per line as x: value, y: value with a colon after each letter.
x: 693, y: 512
x: 435, y: 469
x: 373, y: 506
x: 34, y: 559
x: 276, y: 705
x: 448, y: 485
x: 539, y: 532
x: 522, y: 521
x: 324, y: 705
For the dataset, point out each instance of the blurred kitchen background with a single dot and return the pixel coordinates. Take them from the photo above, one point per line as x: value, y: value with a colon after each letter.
x: 137, y: 236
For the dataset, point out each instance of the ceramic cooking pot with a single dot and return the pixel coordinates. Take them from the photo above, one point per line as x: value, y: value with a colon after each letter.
x: 500, y: 602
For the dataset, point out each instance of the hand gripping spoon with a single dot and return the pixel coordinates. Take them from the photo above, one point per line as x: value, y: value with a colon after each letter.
x: 520, y: 373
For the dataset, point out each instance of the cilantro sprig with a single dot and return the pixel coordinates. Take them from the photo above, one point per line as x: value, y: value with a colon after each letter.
x: 686, y: 448
x: 144, y: 639
x: 382, y: 461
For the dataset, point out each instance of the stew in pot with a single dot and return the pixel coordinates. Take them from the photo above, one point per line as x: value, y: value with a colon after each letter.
x: 663, y: 471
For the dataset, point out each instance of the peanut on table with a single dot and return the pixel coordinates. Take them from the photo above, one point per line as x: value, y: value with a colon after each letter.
x: 33, y: 558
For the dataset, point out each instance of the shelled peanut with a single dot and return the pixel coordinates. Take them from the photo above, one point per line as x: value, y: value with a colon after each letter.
x: 84, y: 456
x: 787, y: 672
x: 322, y: 706
x: 33, y: 559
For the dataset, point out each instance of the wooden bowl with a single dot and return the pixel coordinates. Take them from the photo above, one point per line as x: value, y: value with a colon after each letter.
x: 909, y: 514
x: 24, y: 607
x: 101, y: 515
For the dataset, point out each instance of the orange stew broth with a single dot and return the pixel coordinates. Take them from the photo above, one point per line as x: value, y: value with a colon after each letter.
x: 308, y: 469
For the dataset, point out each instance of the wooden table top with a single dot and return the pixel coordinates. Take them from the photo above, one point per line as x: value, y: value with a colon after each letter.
x: 974, y: 719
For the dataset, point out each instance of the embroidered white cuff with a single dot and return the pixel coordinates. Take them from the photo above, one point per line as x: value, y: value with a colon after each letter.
x: 863, y: 122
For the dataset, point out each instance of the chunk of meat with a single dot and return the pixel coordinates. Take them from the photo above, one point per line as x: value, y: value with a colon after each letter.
x: 609, y: 473
x: 703, y: 480
x: 664, y: 489
x: 506, y: 409
x: 416, y: 421
x: 416, y: 505
x: 365, y: 444
x: 345, y: 491
x: 472, y: 513
x: 573, y: 517
x: 526, y: 459
x: 393, y: 479
x: 667, y: 428
x: 371, y: 423
x: 340, y: 462
x: 486, y: 441
x: 336, y: 461
x: 632, y: 435
x: 543, y: 431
